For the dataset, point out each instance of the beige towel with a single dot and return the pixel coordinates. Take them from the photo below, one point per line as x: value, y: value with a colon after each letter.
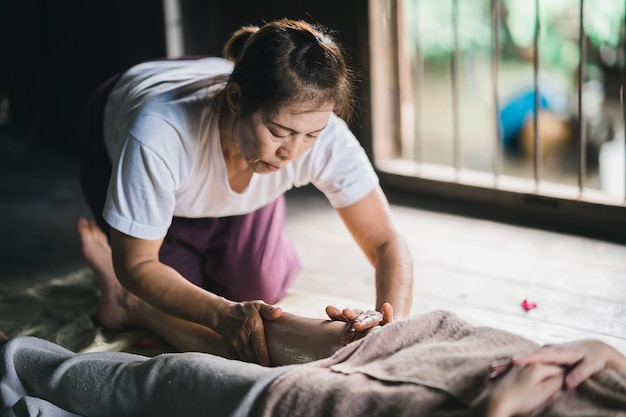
x: 426, y: 365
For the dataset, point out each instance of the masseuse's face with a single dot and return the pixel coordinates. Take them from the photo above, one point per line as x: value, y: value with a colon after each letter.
x: 269, y: 142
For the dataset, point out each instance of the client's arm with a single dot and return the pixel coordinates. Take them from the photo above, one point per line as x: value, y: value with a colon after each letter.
x: 581, y: 359
x: 527, y: 382
x: 520, y: 391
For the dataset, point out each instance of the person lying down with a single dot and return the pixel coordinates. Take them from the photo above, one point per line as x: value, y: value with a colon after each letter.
x: 433, y: 364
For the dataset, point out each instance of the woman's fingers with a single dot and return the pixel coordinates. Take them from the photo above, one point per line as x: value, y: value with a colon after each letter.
x: 387, y: 309
x: 257, y: 350
x: 268, y: 311
x: 334, y: 313
x: 242, y: 328
x: 359, y: 322
x: 367, y: 320
x: 351, y: 314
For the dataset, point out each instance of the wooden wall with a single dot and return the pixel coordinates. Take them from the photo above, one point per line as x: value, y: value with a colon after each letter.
x: 53, y: 54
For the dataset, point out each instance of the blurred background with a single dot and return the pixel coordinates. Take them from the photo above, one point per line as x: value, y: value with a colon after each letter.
x: 445, y: 104
x: 446, y: 36
x: 511, y: 106
x: 54, y: 55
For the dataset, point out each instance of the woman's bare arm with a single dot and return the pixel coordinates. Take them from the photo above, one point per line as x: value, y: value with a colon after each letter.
x: 370, y: 223
x: 138, y: 268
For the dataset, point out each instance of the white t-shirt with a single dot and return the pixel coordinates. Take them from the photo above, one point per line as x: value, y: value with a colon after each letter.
x: 162, y: 136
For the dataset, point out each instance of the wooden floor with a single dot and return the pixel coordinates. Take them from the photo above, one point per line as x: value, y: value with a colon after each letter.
x: 479, y: 269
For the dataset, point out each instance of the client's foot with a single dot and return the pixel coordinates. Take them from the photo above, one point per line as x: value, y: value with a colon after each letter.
x: 115, y: 306
x: 3, y: 338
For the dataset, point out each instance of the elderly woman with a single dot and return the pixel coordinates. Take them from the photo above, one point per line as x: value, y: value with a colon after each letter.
x: 185, y: 166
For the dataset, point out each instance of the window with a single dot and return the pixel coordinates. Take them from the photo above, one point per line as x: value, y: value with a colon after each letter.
x: 455, y: 88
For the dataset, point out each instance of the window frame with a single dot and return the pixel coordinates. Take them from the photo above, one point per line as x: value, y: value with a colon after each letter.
x: 533, y: 203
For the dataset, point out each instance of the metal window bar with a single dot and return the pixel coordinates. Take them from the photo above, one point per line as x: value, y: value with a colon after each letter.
x: 537, y: 138
x: 582, y: 139
x: 623, y: 99
x: 418, y: 73
x: 455, y: 61
x: 419, y: 84
x: 495, y: 59
x: 407, y: 109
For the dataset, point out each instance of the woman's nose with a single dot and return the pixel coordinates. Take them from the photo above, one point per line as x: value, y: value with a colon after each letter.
x: 288, y: 150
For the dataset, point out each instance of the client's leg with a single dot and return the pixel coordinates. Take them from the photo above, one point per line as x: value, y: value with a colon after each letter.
x: 122, y: 384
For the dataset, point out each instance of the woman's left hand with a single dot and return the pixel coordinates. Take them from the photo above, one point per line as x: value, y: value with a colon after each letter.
x: 359, y: 322
x: 241, y: 326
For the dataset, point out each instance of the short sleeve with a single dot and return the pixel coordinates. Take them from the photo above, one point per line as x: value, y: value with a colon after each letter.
x: 141, y: 195
x: 343, y: 171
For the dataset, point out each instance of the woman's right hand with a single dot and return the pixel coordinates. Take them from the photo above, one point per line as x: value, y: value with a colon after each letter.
x: 241, y: 327
x: 358, y: 322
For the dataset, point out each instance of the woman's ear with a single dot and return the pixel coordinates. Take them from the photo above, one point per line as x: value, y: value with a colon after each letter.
x: 233, y: 96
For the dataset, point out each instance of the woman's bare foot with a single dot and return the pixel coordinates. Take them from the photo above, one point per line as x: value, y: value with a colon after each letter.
x: 119, y: 308
x: 116, y: 303
x: 3, y: 338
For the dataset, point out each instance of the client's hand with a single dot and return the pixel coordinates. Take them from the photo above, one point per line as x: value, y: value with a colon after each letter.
x: 521, y: 390
x: 359, y: 322
x: 581, y: 359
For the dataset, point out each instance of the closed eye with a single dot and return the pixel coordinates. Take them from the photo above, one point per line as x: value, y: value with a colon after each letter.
x: 277, y: 136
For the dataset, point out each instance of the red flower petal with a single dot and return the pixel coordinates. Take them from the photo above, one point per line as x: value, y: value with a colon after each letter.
x: 528, y: 305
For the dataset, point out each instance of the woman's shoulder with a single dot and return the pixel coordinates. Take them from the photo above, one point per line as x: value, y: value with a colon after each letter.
x: 151, y: 77
x: 336, y: 133
x: 191, y: 65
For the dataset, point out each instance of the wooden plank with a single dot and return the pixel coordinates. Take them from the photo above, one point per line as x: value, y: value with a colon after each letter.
x: 479, y: 269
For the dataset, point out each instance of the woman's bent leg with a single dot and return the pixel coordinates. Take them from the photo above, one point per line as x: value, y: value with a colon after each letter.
x: 259, y: 260
x: 242, y: 258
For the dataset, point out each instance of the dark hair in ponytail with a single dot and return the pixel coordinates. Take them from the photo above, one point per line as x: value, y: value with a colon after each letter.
x: 289, y: 61
x: 234, y: 45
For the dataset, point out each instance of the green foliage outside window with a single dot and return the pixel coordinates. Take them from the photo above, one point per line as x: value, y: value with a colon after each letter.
x: 430, y: 23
